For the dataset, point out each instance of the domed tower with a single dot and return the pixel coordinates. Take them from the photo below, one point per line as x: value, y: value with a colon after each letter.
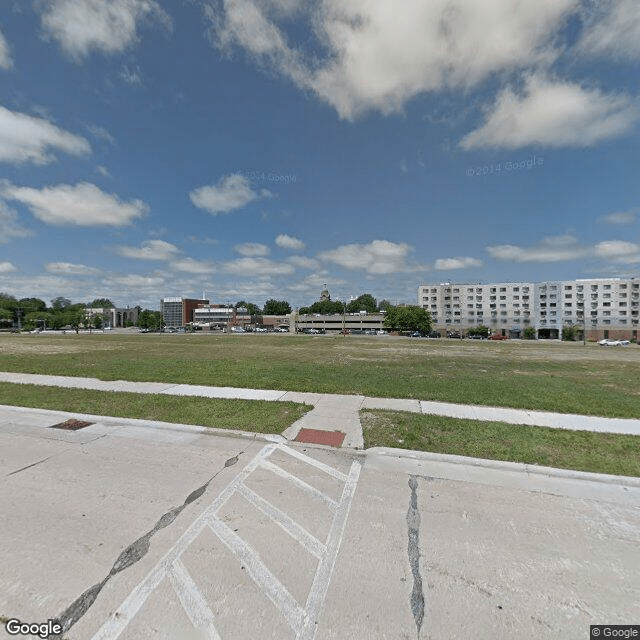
x: 325, y: 294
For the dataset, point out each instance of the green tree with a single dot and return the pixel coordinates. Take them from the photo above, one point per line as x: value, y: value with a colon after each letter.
x: 569, y: 333
x: 60, y: 303
x: 276, y: 307
x: 384, y: 305
x: 529, y: 333
x: 35, y: 319
x: 252, y: 309
x: 150, y: 319
x: 101, y: 303
x: 76, y: 317
x: 480, y: 330
x: 365, y: 302
x: 9, y: 307
x: 96, y: 321
x: 29, y: 305
x: 6, y: 316
x: 326, y: 307
x: 410, y: 318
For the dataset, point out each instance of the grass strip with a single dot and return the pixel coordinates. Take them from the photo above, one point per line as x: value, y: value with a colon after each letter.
x: 257, y: 416
x: 565, y: 378
x: 609, y: 453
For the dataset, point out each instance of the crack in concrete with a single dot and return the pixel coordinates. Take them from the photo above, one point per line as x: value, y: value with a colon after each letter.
x: 413, y: 548
x: 28, y: 466
x: 132, y: 554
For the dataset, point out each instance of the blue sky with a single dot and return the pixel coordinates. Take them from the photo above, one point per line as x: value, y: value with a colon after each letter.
x: 257, y: 149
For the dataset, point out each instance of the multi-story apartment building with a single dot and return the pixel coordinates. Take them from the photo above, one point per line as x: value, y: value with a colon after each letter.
x: 604, y: 307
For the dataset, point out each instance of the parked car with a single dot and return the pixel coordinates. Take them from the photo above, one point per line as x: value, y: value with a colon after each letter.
x: 416, y: 334
x: 498, y: 336
x: 607, y: 342
x: 453, y: 334
x: 434, y: 334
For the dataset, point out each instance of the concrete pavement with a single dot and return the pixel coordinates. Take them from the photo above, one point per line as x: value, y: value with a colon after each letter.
x: 136, y: 531
x: 333, y: 412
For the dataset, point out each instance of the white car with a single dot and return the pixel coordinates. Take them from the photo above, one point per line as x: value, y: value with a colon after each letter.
x: 607, y: 342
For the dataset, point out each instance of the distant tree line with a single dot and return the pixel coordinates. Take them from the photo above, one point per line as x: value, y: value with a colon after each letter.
x: 33, y: 313
x: 271, y: 308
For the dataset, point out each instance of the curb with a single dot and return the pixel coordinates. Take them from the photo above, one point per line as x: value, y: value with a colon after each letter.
x: 500, y: 465
x: 157, y: 424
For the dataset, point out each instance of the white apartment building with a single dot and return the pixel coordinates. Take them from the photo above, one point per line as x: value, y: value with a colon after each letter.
x: 605, y: 307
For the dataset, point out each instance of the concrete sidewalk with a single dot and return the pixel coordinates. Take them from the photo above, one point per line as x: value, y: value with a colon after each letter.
x: 334, y: 412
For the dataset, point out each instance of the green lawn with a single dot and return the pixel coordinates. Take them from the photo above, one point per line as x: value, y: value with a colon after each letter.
x: 257, y: 416
x: 569, y: 378
x: 580, y: 450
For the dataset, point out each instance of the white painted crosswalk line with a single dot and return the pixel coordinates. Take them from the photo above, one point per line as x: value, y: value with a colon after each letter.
x: 301, y: 484
x: 298, y: 533
x: 192, y: 601
x: 302, y: 619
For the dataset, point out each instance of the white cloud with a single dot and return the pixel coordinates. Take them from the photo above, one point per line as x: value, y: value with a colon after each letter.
x: 83, y: 205
x: 622, y: 217
x: 253, y: 291
x: 289, y: 242
x: 303, y: 262
x: 7, y: 267
x: 83, y: 26
x: 554, y: 114
x: 26, y: 138
x: 314, y: 284
x: 137, y: 281
x: 69, y: 269
x: 101, y: 133
x: 377, y: 57
x: 554, y: 249
x: 377, y: 257
x: 444, y: 264
x: 251, y: 249
x: 131, y: 75
x: 257, y: 267
x: 103, y: 171
x: 6, y: 62
x: 9, y: 225
x: 232, y: 192
x: 564, y: 248
x: 150, y: 250
x: 613, y: 29
x: 618, y: 251
x: 189, y: 265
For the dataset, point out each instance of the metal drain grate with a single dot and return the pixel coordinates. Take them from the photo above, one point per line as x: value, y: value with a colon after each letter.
x: 71, y: 425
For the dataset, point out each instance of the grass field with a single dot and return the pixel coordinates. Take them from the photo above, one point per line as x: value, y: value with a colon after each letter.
x: 569, y: 378
x: 580, y: 450
x: 257, y: 416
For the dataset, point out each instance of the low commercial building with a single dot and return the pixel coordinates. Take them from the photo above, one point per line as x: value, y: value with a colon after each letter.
x: 211, y: 317
x: 114, y: 316
x: 335, y: 323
